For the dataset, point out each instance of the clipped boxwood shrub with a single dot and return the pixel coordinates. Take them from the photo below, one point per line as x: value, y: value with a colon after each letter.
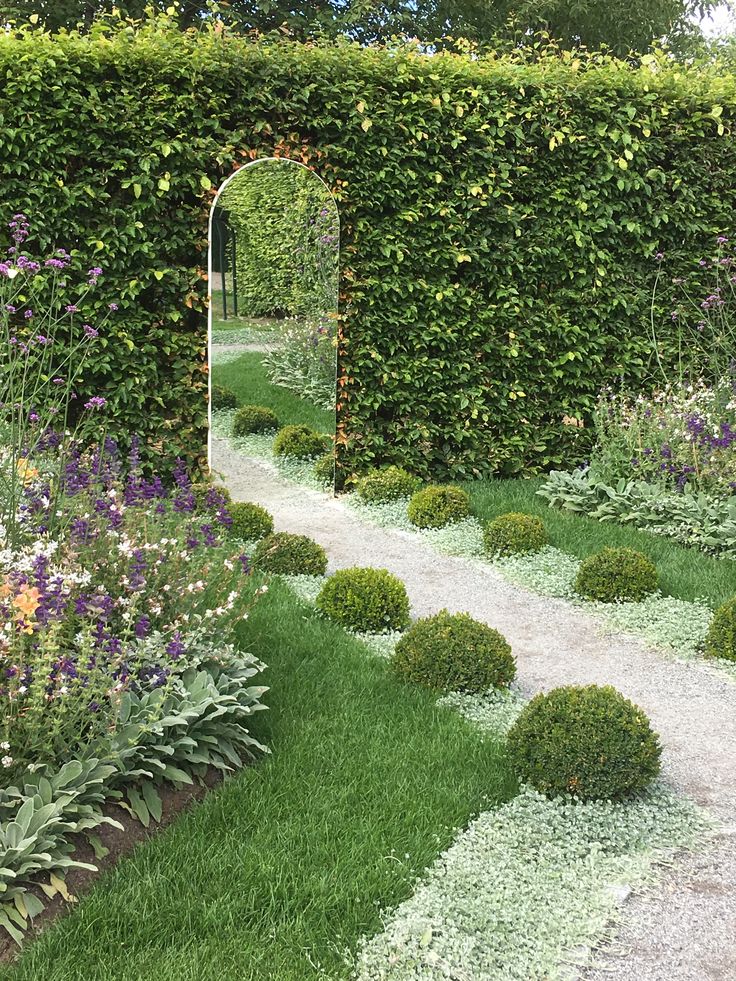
x: 254, y: 419
x: 514, y: 534
x: 720, y: 640
x: 250, y: 521
x: 366, y: 600
x: 324, y: 468
x: 387, y: 485
x: 223, y: 397
x: 300, y: 441
x: 436, y: 506
x: 589, y: 741
x: 454, y: 652
x: 289, y: 555
x: 616, y: 574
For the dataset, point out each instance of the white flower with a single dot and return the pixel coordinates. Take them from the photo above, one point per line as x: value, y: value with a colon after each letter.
x: 5, y: 745
x: 7, y: 761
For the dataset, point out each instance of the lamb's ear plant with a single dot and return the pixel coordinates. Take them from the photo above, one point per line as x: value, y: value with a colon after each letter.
x: 37, y: 820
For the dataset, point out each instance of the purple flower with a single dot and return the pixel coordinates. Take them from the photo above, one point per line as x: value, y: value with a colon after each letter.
x: 96, y: 402
x: 659, y: 256
x: 142, y: 626
x: 90, y: 331
x: 176, y: 647
x: 72, y: 308
x: 27, y: 265
x: 113, y: 306
x: 94, y: 274
x: 721, y: 240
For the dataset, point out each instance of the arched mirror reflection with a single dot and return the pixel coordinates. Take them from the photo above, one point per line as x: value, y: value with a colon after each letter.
x: 274, y: 260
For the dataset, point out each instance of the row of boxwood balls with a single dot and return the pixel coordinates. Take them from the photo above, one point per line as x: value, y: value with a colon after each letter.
x: 587, y: 741
x: 611, y: 575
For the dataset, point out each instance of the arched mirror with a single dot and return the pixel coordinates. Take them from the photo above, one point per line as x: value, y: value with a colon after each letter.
x: 273, y: 277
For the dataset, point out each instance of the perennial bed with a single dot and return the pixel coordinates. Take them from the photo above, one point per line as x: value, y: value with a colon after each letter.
x: 250, y: 885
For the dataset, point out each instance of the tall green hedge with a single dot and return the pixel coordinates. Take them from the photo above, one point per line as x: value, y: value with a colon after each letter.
x: 498, y: 221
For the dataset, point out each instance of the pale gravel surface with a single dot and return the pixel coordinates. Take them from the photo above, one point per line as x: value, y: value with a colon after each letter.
x: 685, y: 930
x: 262, y: 346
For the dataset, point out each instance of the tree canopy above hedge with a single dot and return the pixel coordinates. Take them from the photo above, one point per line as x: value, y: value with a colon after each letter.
x: 498, y: 218
x: 618, y: 24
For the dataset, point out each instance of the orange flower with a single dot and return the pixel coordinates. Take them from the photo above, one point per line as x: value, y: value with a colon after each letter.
x: 27, y: 601
x: 27, y: 472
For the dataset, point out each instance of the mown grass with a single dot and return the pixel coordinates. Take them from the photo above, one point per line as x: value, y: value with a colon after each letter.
x: 248, y: 379
x: 280, y: 871
x: 684, y: 572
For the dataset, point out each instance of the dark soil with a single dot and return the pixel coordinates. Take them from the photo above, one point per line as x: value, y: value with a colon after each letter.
x: 119, y: 844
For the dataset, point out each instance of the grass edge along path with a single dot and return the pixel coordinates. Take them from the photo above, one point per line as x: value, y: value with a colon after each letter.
x: 567, y: 866
x: 685, y: 573
x: 281, y: 871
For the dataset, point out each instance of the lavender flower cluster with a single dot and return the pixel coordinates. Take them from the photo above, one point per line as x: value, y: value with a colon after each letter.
x: 113, y: 602
x: 682, y: 436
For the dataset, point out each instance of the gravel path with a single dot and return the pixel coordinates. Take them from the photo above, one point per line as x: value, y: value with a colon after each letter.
x: 682, y: 932
x: 262, y: 346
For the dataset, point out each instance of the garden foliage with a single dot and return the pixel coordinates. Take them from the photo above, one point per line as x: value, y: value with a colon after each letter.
x: 690, y: 517
x: 250, y: 521
x: 367, y: 600
x: 721, y: 638
x: 287, y: 233
x: 436, y: 506
x: 301, y: 442
x: 454, y: 652
x: 514, y: 534
x: 253, y: 419
x: 499, y: 218
x: 290, y: 555
x: 587, y: 741
x: 616, y: 574
x: 387, y: 484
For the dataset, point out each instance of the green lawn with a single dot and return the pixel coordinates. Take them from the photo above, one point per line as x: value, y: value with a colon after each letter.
x: 684, y: 572
x: 280, y: 871
x: 248, y: 379
x: 259, y: 327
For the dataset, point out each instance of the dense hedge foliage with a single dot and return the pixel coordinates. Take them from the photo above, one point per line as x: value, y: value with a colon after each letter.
x: 254, y: 419
x: 498, y: 222
x: 286, y: 227
x: 514, y: 533
x: 721, y: 639
x: 436, y: 506
x: 387, y: 484
x: 290, y: 555
x: 364, y: 599
x: 587, y: 741
x: 250, y: 521
x: 299, y: 441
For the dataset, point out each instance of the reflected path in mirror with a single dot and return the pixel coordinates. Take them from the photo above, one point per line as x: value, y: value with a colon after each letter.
x: 273, y: 279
